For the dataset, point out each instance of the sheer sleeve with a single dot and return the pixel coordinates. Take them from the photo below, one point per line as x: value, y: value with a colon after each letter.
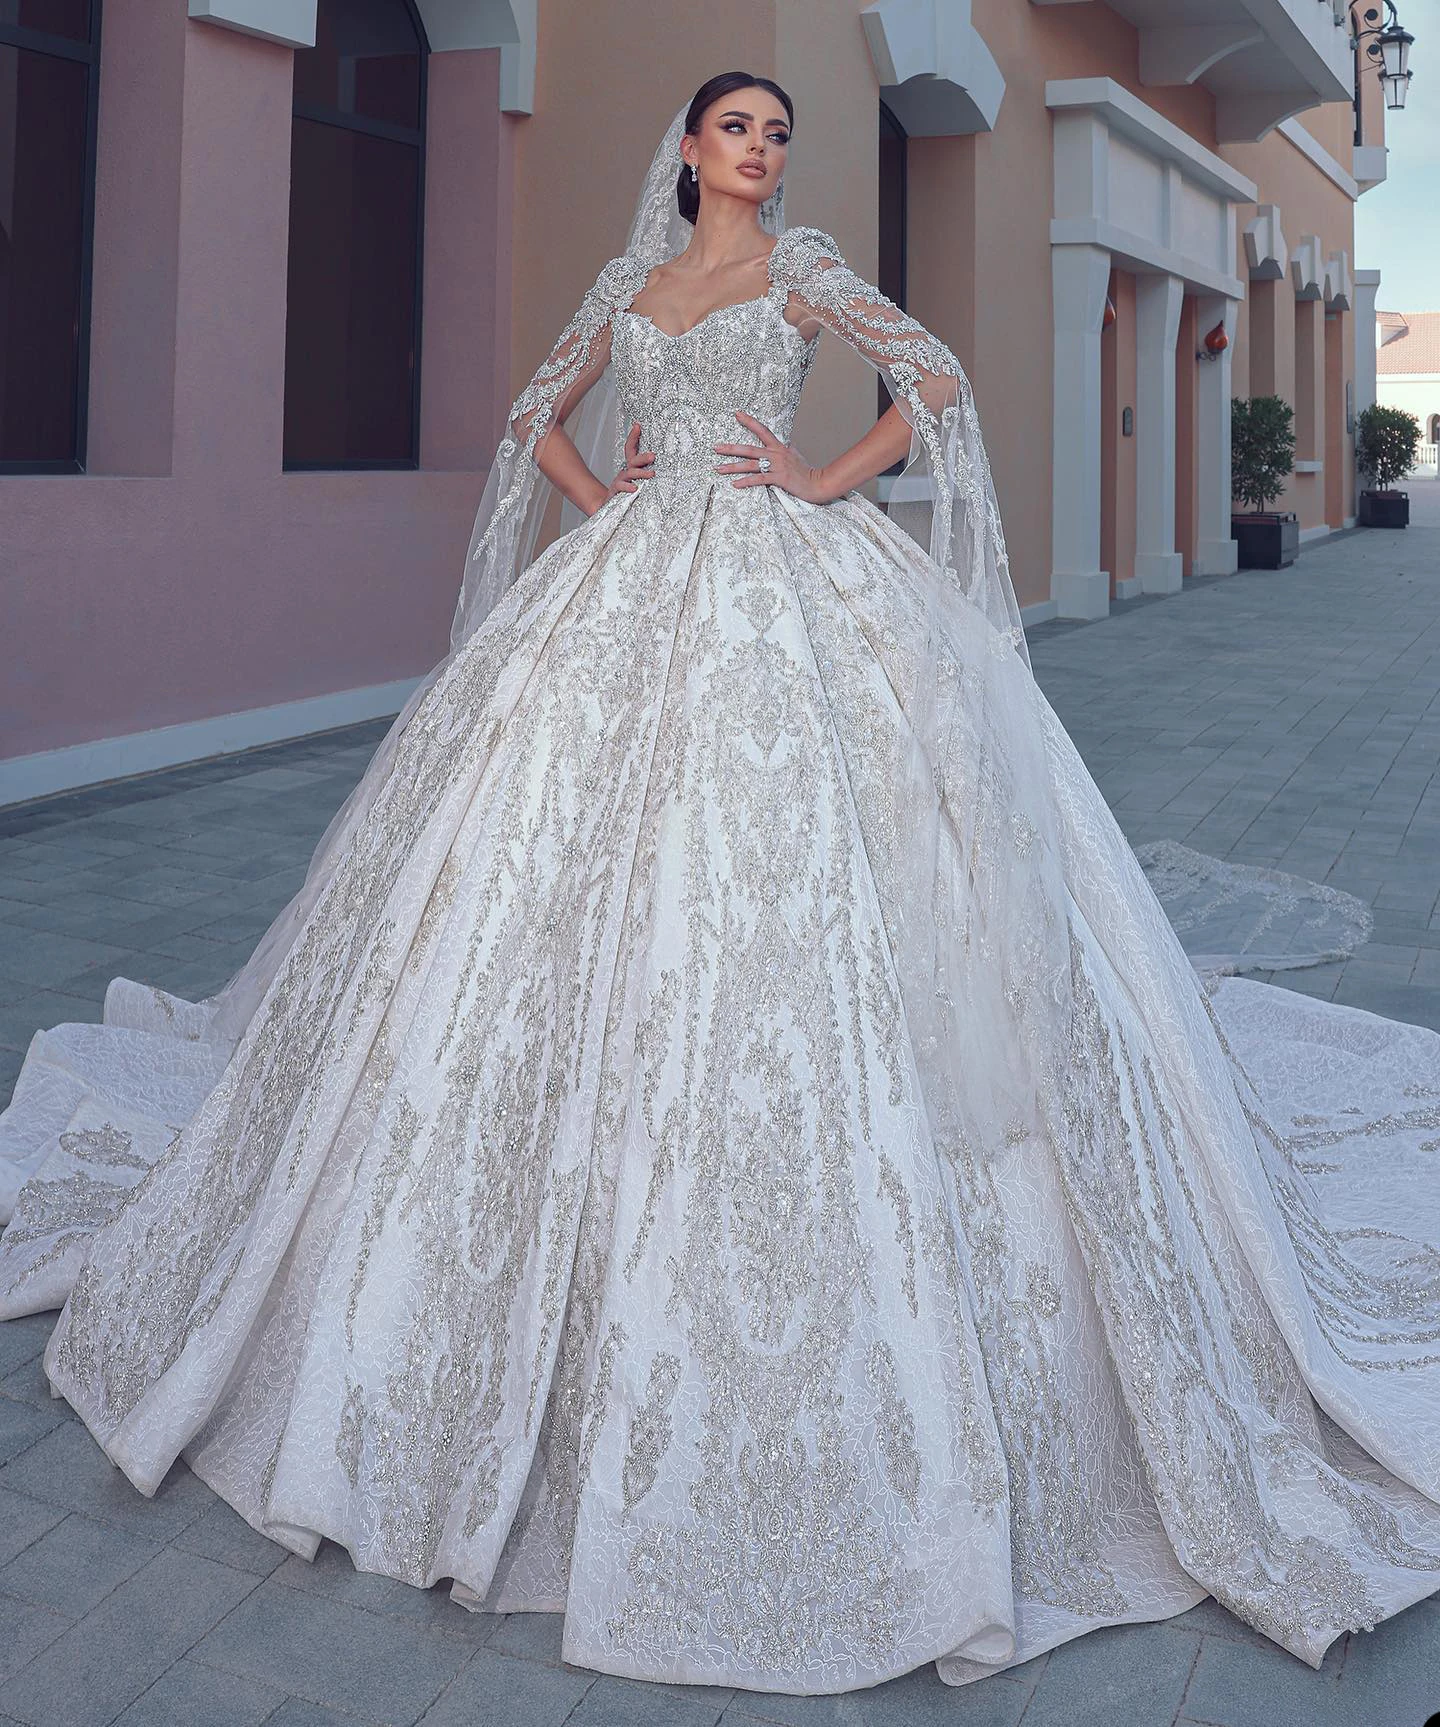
x: 516, y: 492
x: 576, y: 361
x: 922, y: 373
x: 928, y: 384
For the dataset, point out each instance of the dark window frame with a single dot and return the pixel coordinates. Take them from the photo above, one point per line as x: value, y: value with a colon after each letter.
x: 88, y: 54
x: 889, y: 120
x: 395, y: 134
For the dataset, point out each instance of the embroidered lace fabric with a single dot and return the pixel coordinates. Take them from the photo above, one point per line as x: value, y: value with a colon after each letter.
x: 591, y: 1208
x: 1244, y: 917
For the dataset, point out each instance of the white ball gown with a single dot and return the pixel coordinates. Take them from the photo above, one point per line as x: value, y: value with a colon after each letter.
x: 588, y: 1210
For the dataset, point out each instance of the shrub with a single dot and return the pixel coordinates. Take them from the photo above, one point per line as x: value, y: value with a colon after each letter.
x: 1385, y: 444
x: 1262, y: 448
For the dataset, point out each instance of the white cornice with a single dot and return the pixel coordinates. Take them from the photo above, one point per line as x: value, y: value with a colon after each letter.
x: 1130, y: 118
x: 1142, y: 252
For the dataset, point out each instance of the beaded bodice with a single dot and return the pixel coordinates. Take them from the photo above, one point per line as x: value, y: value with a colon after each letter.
x: 684, y: 390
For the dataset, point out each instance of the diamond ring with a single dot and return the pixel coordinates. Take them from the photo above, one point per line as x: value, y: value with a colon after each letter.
x: 763, y: 464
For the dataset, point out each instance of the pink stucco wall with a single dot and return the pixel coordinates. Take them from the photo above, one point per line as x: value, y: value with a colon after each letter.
x: 187, y: 575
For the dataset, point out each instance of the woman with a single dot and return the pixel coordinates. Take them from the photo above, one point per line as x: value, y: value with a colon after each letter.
x: 726, y: 1144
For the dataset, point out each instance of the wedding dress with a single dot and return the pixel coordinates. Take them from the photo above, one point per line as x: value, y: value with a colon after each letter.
x: 658, y: 1176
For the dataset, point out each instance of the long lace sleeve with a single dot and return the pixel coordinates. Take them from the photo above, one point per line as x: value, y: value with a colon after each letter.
x: 516, y: 492
x: 929, y: 386
x: 923, y: 375
x: 576, y: 361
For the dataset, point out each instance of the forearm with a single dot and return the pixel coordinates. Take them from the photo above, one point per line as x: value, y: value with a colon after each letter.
x: 887, y: 442
x: 561, y: 463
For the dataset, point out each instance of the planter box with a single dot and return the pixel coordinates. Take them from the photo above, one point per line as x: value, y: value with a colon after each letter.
x: 1266, y: 542
x: 1384, y: 509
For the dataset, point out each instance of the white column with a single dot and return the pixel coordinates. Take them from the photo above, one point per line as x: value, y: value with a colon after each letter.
x: 1367, y: 288
x: 1080, y: 277
x: 1215, y: 553
x: 1158, y: 566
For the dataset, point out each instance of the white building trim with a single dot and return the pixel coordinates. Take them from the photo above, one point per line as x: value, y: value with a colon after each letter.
x: 1266, y: 254
x: 905, y: 489
x: 51, y: 771
x: 933, y: 66
x: 1372, y: 165
x: 1159, y: 568
x: 1134, y: 189
x: 288, y: 22
x: 1216, y: 553
x: 1263, y: 60
x: 1307, y: 269
x: 1136, y: 252
x: 1315, y: 152
x: 1367, y: 289
x: 509, y: 25
x: 1128, y: 117
x: 1339, y: 289
x: 1080, y: 279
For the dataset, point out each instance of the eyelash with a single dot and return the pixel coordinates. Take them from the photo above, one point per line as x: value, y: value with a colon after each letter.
x: 777, y: 137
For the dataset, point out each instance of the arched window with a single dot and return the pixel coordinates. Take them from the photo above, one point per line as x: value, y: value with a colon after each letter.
x: 357, y: 162
x: 891, y: 268
x: 1432, y: 435
x: 49, y: 73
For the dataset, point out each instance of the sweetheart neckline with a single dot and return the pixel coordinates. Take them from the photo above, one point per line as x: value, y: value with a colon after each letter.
x: 729, y: 306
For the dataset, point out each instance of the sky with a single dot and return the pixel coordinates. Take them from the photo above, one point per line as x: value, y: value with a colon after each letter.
x: 1397, y: 224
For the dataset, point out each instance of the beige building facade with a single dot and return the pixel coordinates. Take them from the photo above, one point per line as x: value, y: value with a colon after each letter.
x: 283, y: 265
x: 1089, y: 190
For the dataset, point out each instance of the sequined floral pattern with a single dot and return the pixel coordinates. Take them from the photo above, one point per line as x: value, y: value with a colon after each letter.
x: 584, y: 1216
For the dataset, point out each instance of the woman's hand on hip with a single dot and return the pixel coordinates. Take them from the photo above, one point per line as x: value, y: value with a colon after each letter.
x: 782, y: 465
x: 639, y: 465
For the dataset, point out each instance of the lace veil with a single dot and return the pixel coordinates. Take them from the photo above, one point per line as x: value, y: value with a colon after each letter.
x: 517, y: 494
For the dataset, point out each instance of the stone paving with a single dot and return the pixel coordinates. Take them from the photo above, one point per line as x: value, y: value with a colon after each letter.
x: 1290, y: 718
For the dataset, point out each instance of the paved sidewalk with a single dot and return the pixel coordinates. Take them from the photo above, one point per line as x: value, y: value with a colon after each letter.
x: 1290, y: 718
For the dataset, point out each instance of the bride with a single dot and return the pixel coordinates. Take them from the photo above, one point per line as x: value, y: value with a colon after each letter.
x: 726, y: 1144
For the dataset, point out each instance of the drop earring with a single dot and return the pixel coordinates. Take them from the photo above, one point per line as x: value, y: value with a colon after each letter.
x: 694, y: 177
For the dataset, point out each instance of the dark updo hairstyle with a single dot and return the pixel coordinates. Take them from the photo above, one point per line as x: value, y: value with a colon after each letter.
x: 687, y: 191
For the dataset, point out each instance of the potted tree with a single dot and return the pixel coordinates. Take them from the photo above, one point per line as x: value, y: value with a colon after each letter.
x: 1385, y: 444
x: 1262, y: 454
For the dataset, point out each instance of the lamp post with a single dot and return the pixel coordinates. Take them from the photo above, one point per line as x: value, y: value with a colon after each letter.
x: 1387, y: 48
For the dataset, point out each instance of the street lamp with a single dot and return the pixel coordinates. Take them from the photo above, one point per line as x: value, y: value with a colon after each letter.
x: 1387, y: 49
